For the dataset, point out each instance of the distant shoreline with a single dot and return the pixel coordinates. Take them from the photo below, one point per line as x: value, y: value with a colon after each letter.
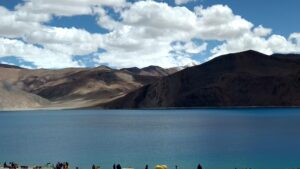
x: 163, y: 108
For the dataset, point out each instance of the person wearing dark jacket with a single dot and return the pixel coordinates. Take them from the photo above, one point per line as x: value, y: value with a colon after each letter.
x: 199, y: 166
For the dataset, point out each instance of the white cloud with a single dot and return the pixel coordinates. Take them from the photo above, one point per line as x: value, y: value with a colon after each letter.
x: 55, y: 42
x: 66, y: 7
x: 148, y: 29
x: 69, y: 41
x: 160, y: 17
x: 181, y: 2
x: 241, y: 37
x: 250, y: 41
x: 295, y: 38
x: 146, y: 33
x: 104, y: 20
x: 262, y: 31
x: 218, y: 22
x: 13, y: 24
x: 192, y: 48
x: 43, y: 58
x: 189, y: 47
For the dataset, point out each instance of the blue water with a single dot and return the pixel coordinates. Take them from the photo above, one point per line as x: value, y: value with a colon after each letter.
x: 216, y: 138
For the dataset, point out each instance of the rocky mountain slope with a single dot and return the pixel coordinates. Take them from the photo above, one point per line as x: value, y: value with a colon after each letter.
x: 68, y: 88
x: 151, y: 71
x: 13, y: 98
x: 241, y: 79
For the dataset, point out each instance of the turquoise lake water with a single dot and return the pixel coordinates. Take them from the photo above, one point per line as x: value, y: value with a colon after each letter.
x: 216, y: 138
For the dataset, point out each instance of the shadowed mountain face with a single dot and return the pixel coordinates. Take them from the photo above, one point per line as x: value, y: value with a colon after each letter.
x: 150, y: 71
x: 72, y: 87
x: 242, y: 79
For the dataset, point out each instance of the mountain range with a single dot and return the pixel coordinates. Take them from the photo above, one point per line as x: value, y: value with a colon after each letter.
x: 244, y: 79
x: 70, y: 88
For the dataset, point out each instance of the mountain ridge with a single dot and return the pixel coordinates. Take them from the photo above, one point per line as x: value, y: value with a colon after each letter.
x: 244, y: 79
x: 68, y: 88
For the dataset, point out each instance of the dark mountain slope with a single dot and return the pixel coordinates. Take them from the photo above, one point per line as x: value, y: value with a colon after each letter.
x: 150, y: 71
x: 241, y: 79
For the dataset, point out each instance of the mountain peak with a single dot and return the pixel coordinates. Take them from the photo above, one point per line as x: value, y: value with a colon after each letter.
x: 149, y: 71
x: 251, y: 51
x: 104, y: 67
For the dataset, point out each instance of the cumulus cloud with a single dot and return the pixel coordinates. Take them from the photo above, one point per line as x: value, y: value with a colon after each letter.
x: 160, y: 18
x: 218, y: 22
x: 267, y: 45
x: 262, y: 31
x: 145, y: 36
x: 55, y: 43
x: 189, y: 47
x: 148, y: 30
x: 14, y: 24
x: 39, y: 56
x: 295, y: 38
x: 104, y: 20
x: 69, y: 41
x: 66, y: 7
x: 143, y: 33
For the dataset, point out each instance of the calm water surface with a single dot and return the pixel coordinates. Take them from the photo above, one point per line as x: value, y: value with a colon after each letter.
x: 218, y: 139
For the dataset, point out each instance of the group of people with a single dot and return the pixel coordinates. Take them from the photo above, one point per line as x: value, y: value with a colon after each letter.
x: 10, y: 165
x: 64, y: 165
x: 118, y: 166
x: 146, y: 167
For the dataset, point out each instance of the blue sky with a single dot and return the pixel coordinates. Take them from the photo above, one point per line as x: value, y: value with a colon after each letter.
x: 120, y: 33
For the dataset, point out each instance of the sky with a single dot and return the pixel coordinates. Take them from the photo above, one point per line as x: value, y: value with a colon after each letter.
x: 137, y: 33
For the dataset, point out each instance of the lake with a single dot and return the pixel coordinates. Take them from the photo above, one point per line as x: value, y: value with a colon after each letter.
x: 216, y: 138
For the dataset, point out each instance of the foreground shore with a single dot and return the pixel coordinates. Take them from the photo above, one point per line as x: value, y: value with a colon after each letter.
x: 65, y: 165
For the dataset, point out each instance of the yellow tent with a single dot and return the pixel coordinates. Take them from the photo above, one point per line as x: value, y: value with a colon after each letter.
x: 161, y: 167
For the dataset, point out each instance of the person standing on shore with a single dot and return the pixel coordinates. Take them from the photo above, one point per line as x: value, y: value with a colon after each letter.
x: 146, y: 167
x: 114, y: 166
x: 199, y: 166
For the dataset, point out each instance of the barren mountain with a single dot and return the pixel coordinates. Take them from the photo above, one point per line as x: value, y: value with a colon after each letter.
x: 241, y: 79
x: 150, y: 71
x: 12, y: 98
x: 71, y: 87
